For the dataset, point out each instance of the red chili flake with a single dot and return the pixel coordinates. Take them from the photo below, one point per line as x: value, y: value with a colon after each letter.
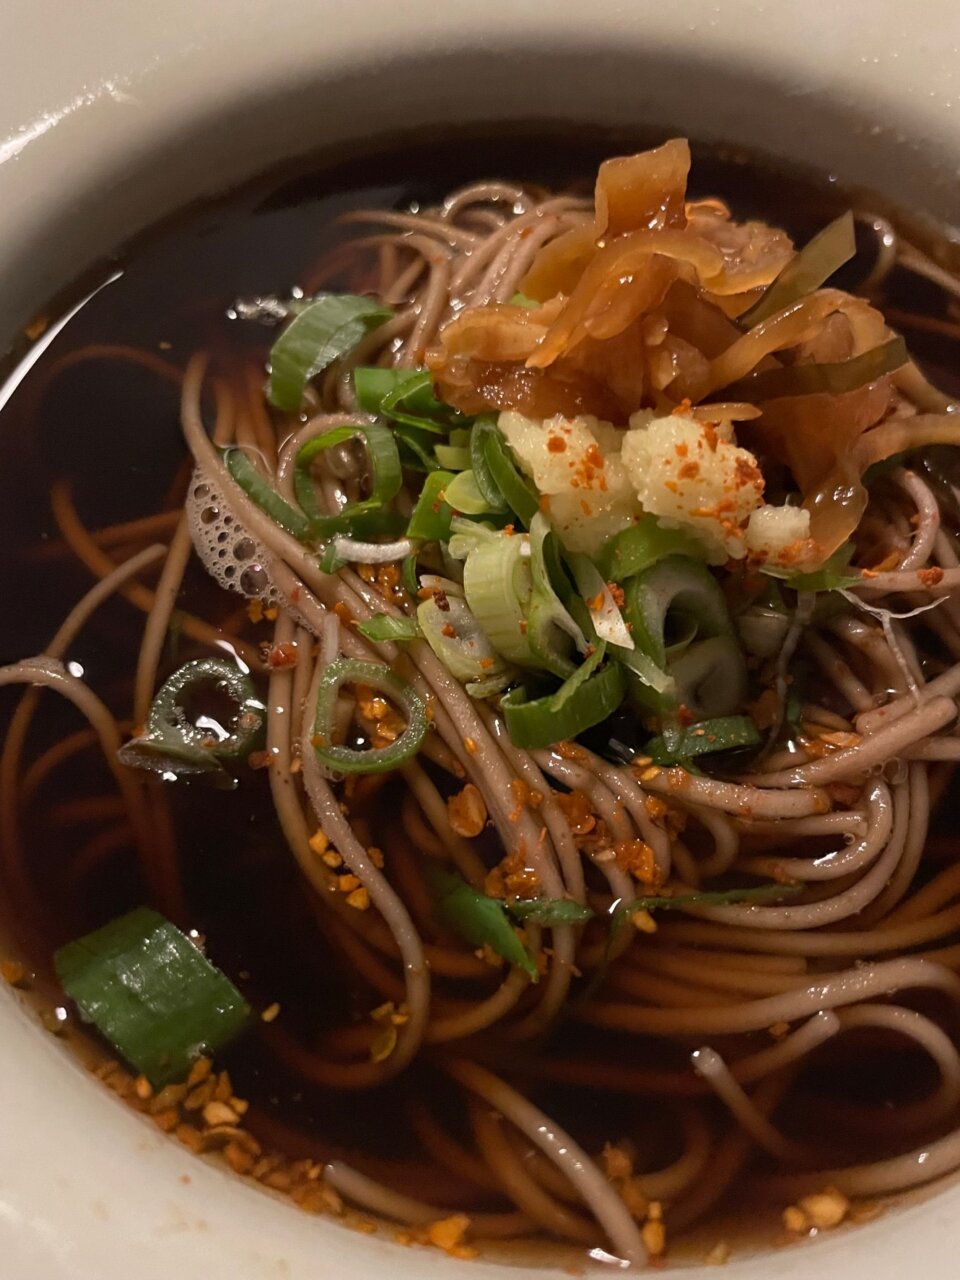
x: 441, y: 601
x: 556, y: 444
x: 447, y: 630
x: 616, y: 591
x: 282, y: 655
x: 930, y: 577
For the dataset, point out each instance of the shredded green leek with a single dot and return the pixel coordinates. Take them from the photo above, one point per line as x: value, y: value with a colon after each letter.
x: 586, y: 698
x: 326, y: 329
x: 378, y: 759
x: 478, y: 919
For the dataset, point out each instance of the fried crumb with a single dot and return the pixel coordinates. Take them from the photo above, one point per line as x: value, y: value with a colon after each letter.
x: 448, y: 1233
x: 825, y: 1209
x: 467, y: 812
x: 643, y: 921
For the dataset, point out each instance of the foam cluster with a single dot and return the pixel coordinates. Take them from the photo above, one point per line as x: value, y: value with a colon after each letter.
x: 231, y: 556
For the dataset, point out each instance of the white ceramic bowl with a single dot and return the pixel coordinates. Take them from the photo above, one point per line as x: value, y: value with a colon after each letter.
x: 113, y: 113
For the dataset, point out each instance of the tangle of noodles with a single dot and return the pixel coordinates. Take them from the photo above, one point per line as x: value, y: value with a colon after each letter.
x: 710, y: 1034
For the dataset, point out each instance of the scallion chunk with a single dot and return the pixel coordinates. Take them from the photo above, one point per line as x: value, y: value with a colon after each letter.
x: 326, y: 329
x: 152, y: 994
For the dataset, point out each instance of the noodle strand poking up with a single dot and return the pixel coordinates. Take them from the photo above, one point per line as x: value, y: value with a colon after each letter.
x: 581, y: 613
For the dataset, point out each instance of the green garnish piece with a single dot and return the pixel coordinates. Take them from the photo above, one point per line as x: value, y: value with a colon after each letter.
x: 326, y: 329
x: 726, y: 733
x: 586, y: 698
x: 548, y: 911
x: 632, y: 550
x: 383, y: 627
x: 833, y: 575
x: 720, y: 898
x: 172, y: 743
x: 403, y: 395
x: 259, y: 490
x: 385, y: 476
x: 430, y: 520
x: 479, y: 920
x: 504, y: 477
x: 378, y: 759
x: 152, y: 994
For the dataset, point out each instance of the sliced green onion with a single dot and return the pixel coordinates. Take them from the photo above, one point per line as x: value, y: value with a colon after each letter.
x: 726, y: 733
x: 498, y: 583
x: 586, y: 698
x: 467, y: 535
x: 607, y: 620
x: 408, y: 575
x: 488, y: 686
x: 463, y: 494
x: 548, y: 911
x: 330, y: 326
x: 811, y: 379
x: 521, y: 300
x: 674, y: 586
x: 383, y: 627
x: 404, y: 396
x: 632, y: 550
x: 479, y: 434
x: 258, y: 489
x: 385, y: 475
x: 519, y: 494
x: 152, y: 994
x: 479, y: 920
x: 814, y: 264
x: 430, y: 520
x: 710, y: 676
x: 707, y: 666
x: 453, y: 457
x: 172, y: 744
x: 550, y: 625
x: 833, y: 575
x: 383, y: 680
x: 456, y: 637
x: 720, y: 898
x: 416, y: 448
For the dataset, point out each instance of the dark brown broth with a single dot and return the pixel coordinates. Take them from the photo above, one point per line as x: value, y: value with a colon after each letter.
x: 113, y: 430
